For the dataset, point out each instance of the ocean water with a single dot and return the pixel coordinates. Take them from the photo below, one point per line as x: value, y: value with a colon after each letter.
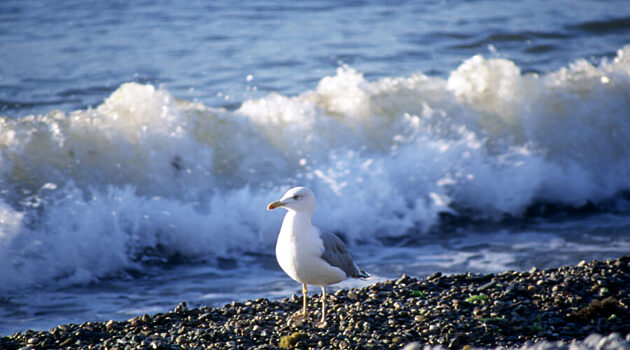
x: 141, y: 141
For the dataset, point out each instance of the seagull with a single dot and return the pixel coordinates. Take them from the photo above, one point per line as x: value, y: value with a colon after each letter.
x: 308, y: 254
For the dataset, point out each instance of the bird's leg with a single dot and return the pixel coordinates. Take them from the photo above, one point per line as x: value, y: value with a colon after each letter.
x: 302, y: 316
x: 322, y: 322
x: 304, y: 291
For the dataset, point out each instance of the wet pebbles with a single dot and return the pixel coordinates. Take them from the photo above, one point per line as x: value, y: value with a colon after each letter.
x: 462, y: 311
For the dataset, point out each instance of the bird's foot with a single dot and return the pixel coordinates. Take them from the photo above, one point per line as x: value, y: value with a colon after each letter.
x: 299, y: 317
x: 321, y: 324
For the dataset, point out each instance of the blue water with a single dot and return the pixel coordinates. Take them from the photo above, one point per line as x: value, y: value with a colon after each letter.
x: 141, y: 141
x: 72, y: 54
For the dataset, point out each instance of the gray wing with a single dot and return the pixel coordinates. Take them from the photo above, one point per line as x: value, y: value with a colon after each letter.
x: 336, y: 254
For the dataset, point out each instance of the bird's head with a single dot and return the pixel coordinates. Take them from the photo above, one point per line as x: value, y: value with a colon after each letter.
x: 299, y: 199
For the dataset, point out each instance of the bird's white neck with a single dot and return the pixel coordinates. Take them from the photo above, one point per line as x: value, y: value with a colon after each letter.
x: 298, y: 221
x: 299, y: 216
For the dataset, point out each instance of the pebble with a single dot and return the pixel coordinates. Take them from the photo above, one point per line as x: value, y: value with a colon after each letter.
x: 562, y: 308
x: 487, y: 285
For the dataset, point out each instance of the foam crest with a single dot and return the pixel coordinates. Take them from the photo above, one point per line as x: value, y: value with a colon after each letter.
x: 297, y: 127
x: 137, y: 137
x: 79, y: 240
x: 577, y: 117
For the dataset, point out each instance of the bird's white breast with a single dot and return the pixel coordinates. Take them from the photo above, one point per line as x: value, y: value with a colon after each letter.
x: 299, y: 251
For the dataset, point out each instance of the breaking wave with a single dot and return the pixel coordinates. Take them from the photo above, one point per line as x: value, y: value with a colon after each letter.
x: 89, y: 193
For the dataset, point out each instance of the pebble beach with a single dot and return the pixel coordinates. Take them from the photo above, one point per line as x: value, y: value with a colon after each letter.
x: 586, y: 306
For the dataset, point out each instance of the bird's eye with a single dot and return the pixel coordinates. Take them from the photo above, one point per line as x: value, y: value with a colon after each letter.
x: 296, y: 197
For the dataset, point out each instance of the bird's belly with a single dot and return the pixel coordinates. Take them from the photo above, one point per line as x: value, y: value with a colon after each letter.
x: 319, y: 273
x: 307, y: 266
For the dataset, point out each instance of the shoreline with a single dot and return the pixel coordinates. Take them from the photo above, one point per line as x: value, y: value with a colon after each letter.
x: 508, y: 309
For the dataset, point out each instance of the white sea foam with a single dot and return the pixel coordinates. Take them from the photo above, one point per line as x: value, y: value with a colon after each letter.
x: 87, y: 194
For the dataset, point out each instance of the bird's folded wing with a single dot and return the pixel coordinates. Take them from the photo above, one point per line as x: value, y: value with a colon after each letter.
x: 336, y: 254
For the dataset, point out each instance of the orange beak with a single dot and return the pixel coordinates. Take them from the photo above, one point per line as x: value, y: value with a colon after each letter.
x: 274, y: 205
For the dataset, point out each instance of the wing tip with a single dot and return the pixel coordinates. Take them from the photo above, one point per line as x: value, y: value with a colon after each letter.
x: 362, y: 275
